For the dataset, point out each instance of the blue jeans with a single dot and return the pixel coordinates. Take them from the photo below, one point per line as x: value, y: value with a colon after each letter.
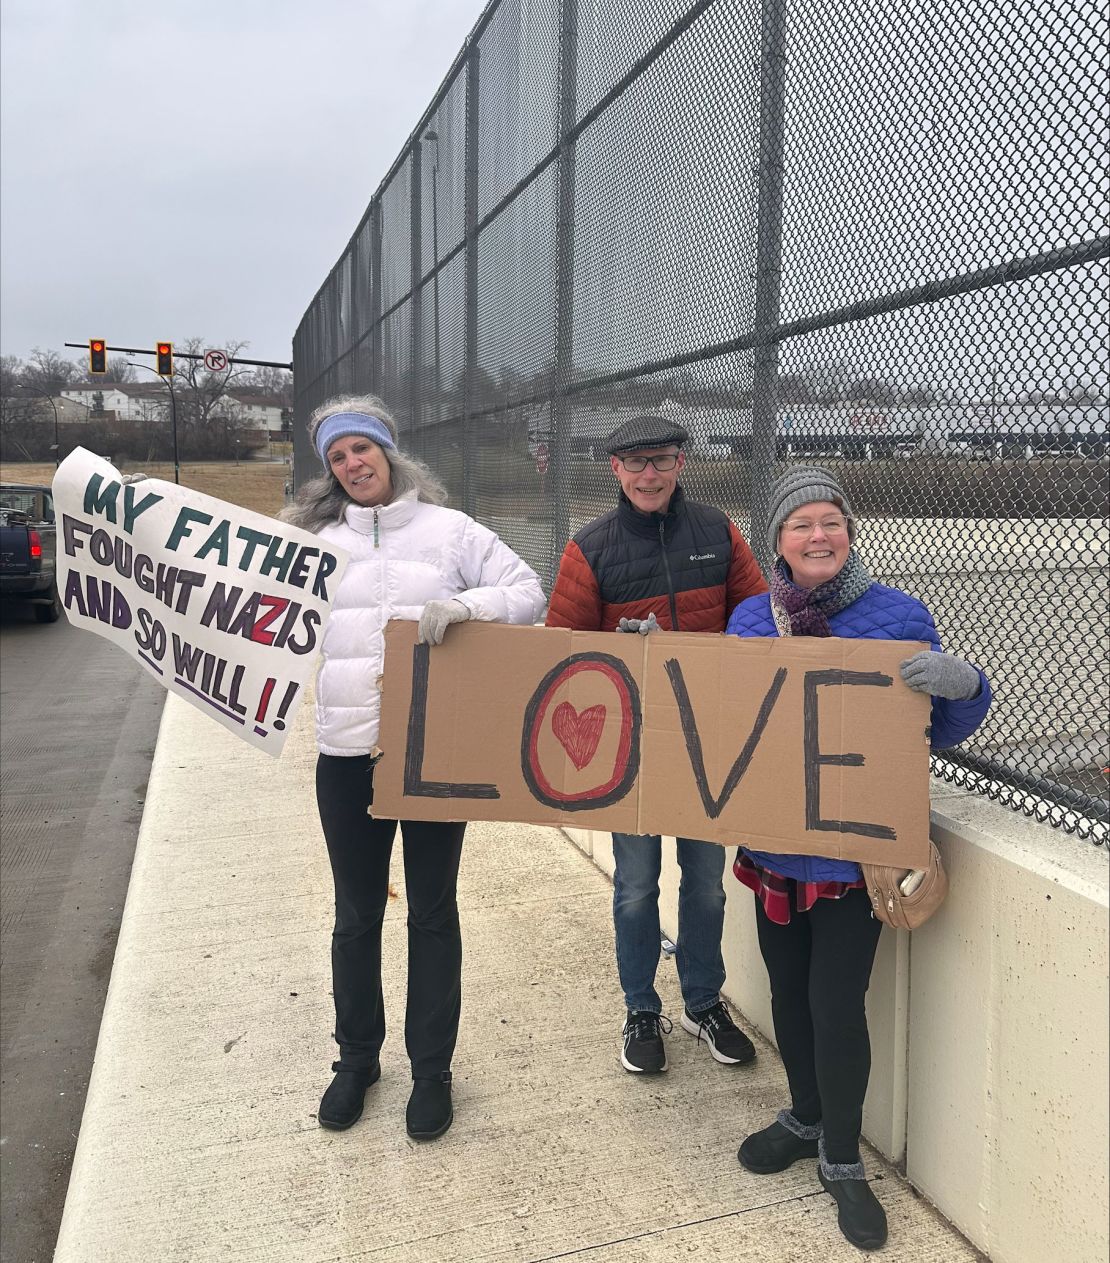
x: 701, y: 918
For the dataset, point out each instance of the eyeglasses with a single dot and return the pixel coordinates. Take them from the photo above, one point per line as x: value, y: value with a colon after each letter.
x: 799, y: 528
x: 636, y: 463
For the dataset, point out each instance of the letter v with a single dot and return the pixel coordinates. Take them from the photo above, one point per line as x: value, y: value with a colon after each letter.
x: 714, y: 806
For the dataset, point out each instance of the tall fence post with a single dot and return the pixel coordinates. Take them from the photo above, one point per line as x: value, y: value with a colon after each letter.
x: 561, y: 410
x: 470, y: 403
x: 416, y: 354
x: 768, y: 265
x: 376, y: 297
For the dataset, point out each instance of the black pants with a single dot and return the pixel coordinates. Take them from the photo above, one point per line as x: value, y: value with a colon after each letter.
x: 820, y: 967
x: 359, y: 848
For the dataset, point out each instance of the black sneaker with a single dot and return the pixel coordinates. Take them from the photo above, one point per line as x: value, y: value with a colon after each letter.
x: 643, y: 1051
x: 727, y: 1042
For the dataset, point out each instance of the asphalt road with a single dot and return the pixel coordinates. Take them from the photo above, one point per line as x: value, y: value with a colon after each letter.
x: 78, y: 725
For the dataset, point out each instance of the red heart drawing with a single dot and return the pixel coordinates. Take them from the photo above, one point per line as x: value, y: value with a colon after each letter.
x: 578, y: 733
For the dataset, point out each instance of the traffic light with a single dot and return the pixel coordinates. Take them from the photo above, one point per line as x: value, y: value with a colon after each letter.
x: 165, y: 359
x: 98, y: 356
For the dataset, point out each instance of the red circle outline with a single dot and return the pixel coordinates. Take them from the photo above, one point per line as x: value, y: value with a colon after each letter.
x: 624, y: 744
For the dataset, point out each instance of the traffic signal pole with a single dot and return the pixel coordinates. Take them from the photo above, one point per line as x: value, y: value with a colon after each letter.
x: 164, y: 355
x: 185, y: 355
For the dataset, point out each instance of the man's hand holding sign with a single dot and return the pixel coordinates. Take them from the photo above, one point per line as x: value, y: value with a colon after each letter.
x: 223, y: 606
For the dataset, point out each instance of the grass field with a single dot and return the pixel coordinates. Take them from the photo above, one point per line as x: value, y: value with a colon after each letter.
x: 251, y: 485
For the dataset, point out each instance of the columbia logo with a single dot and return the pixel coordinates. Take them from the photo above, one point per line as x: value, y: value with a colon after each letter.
x: 703, y: 556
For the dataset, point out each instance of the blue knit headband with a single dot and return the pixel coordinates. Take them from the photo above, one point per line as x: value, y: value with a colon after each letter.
x: 340, y: 424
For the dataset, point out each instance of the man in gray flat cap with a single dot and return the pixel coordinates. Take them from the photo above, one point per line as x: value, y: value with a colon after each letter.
x: 659, y: 560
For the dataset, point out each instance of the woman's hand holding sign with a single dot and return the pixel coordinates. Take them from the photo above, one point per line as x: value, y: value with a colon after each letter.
x: 437, y: 616
x: 941, y: 675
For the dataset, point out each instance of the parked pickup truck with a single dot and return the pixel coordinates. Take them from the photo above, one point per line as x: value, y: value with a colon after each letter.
x: 27, y: 549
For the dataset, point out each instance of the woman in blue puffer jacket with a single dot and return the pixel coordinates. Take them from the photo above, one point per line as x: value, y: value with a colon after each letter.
x: 813, y: 916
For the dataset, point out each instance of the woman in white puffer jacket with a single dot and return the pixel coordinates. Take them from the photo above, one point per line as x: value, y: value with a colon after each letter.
x: 411, y: 558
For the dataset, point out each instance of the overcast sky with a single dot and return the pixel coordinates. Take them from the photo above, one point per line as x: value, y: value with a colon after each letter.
x: 196, y: 169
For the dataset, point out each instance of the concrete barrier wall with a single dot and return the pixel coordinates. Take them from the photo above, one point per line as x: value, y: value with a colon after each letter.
x: 989, y: 1027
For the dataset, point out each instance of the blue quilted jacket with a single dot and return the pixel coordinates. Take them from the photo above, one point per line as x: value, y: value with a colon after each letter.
x: 882, y: 613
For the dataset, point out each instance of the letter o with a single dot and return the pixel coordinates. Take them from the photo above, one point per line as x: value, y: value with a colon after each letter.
x: 158, y: 640
x: 626, y: 765
x: 100, y: 545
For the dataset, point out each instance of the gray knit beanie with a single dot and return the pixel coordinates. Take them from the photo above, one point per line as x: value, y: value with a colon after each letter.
x: 799, y: 485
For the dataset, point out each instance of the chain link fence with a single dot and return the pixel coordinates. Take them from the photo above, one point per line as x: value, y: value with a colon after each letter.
x: 872, y: 236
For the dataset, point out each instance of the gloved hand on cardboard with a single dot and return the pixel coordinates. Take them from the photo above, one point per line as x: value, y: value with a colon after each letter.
x: 941, y: 675
x: 436, y: 617
x: 642, y: 626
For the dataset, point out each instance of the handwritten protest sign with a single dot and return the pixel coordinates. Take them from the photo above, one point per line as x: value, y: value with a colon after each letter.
x: 224, y: 607
x: 805, y: 745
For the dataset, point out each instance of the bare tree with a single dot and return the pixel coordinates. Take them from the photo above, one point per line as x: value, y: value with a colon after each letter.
x: 48, y: 371
x: 206, y: 413
x: 20, y: 430
x: 277, y: 383
x: 12, y: 370
x: 20, y: 412
x: 119, y: 370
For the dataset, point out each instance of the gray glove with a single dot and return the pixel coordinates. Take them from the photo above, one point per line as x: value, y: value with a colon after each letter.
x: 129, y: 478
x: 641, y: 625
x: 436, y: 617
x: 941, y: 675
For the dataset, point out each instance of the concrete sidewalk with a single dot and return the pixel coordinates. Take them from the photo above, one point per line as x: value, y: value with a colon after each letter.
x: 199, y: 1139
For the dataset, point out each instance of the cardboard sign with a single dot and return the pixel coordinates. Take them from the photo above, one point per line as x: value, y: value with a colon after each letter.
x: 806, y: 745
x: 224, y: 607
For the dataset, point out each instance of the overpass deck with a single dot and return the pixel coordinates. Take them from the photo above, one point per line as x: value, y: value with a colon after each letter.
x: 199, y: 1139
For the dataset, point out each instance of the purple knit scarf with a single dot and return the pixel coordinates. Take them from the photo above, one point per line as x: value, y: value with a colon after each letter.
x: 806, y: 611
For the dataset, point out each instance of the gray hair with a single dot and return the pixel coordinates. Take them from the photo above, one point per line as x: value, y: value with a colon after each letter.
x: 322, y: 500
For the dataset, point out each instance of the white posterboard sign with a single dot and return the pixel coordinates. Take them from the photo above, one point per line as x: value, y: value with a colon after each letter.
x: 224, y: 607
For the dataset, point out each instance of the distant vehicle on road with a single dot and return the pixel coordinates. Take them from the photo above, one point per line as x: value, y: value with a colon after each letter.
x: 28, y: 549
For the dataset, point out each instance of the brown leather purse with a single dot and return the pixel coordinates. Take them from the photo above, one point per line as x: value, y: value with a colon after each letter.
x: 892, y: 905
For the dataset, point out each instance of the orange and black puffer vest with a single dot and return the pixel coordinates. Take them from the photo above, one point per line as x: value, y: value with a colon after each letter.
x: 689, y: 566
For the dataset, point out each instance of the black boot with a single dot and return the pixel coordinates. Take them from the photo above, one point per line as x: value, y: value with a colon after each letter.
x: 862, y: 1220
x: 341, y: 1105
x: 429, y: 1111
x: 779, y: 1146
